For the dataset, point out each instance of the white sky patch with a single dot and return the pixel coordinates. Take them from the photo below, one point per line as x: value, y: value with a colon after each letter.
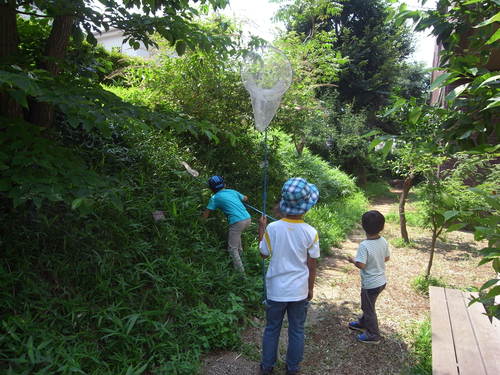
x: 256, y: 18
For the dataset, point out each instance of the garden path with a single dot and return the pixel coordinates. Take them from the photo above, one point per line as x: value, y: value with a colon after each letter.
x: 330, y: 347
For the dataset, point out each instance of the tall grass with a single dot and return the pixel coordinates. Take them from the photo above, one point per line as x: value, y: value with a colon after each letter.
x: 105, y: 289
x: 421, y: 349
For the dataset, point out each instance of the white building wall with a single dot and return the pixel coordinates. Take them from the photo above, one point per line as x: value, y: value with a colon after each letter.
x: 114, y: 39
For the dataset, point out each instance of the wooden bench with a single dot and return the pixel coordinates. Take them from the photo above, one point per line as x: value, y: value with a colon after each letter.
x: 464, y: 341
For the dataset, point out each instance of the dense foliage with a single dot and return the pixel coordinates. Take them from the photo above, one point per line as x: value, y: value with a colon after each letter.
x: 364, y: 50
x: 90, y: 282
x: 467, y: 124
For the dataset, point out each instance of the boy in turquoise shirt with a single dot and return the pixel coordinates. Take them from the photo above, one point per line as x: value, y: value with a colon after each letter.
x: 231, y: 203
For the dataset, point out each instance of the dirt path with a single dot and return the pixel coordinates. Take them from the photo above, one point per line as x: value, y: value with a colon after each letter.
x: 331, y: 348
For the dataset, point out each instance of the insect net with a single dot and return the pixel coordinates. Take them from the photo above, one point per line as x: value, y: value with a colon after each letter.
x: 266, y: 74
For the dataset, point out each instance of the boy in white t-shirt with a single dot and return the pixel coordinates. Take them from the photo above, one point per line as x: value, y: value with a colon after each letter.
x: 293, y: 246
x: 370, y: 259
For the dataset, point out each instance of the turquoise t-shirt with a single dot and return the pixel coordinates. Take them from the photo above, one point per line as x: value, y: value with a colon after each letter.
x: 230, y: 202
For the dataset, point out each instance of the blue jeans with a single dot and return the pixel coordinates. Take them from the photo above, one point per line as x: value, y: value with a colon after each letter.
x: 275, y: 312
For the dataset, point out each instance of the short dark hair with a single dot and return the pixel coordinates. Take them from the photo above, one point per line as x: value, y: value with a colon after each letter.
x: 372, y: 222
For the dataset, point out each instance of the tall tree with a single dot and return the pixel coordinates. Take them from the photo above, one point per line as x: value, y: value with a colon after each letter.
x: 367, y: 34
x: 139, y: 20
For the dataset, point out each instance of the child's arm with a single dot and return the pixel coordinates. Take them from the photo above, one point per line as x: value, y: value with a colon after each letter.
x: 361, y: 257
x: 205, y: 214
x: 311, y: 265
x: 262, y: 230
x: 357, y: 264
x: 387, y: 259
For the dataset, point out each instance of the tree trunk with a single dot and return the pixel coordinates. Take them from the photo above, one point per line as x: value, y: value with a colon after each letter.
x: 431, y: 257
x: 362, y: 174
x: 43, y: 113
x: 299, y: 145
x: 402, y: 201
x: 9, y: 47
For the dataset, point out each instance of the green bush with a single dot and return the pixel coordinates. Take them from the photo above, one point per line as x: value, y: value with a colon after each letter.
x: 400, y: 242
x: 334, y: 220
x: 421, y: 284
x: 378, y: 189
x: 104, y: 289
x: 421, y: 349
x: 414, y: 218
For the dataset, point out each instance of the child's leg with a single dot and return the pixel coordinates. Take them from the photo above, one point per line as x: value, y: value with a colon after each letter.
x: 275, y: 311
x: 244, y: 225
x: 234, y: 242
x: 369, y: 318
x: 297, y: 313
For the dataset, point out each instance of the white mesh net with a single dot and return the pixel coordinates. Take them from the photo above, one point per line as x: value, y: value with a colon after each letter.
x: 266, y: 74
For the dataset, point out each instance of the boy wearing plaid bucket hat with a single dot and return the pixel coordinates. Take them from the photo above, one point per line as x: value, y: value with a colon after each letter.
x: 293, y: 247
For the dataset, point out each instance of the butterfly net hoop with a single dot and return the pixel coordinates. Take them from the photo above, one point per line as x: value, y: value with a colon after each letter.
x: 266, y: 74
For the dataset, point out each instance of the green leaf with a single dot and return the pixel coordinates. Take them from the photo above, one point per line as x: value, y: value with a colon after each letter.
x: 414, y: 115
x: 375, y: 142
x: 488, y: 284
x: 495, y: 102
x: 495, y: 291
x: 31, y: 354
x: 180, y: 47
x: 439, y: 81
x: 484, y: 261
x: 494, y: 37
x: 491, y: 79
x: 20, y: 97
x: 77, y: 203
x: 131, y: 322
x: 387, y: 147
x: 455, y: 227
x: 371, y: 133
x: 467, y: 134
x: 495, y: 18
x: 456, y: 92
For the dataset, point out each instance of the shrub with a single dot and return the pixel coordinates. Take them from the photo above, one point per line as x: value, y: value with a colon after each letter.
x: 400, y: 242
x: 378, y: 189
x: 414, y: 218
x: 421, y: 284
x: 421, y: 348
x: 333, y: 221
x: 103, y: 289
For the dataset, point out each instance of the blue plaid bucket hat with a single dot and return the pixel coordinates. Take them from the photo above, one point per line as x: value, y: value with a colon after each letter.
x: 298, y: 196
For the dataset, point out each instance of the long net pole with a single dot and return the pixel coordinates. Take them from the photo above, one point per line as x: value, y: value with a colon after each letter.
x: 264, y: 202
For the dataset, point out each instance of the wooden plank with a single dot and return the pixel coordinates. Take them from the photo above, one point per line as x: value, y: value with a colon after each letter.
x: 443, y: 350
x: 487, y: 336
x: 467, y: 352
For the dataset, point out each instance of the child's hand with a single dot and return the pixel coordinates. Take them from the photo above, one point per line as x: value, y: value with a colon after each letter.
x: 263, y: 220
x: 310, y: 294
x: 351, y: 260
x: 262, y: 227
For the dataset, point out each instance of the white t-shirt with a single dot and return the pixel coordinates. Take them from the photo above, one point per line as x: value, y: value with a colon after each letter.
x: 373, y: 254
x: 288, y: 242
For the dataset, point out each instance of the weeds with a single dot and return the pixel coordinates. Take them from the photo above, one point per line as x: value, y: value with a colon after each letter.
x: 413, y: 218
x: 400, y: 242
x: 104, y: 289
x: 421, y: 348
x: 378, y: 189
x: 421, y: 284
